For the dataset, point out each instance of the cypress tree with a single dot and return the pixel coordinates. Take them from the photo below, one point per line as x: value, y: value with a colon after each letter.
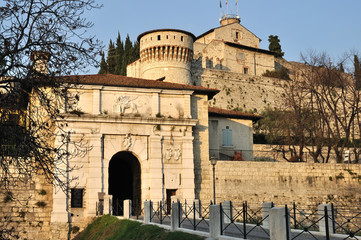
x: 135, y: 52
x: 111, y: 58
x: 126, y: 55
x: 119, y: 56
x: 103, y: 65
x: 275, y: 46
x: 341, y: 69
x: 357, y: 72
x: 119, y: 50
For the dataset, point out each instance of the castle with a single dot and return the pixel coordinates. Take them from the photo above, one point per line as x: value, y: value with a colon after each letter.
x: 152, y: 133
x: 227, y: 58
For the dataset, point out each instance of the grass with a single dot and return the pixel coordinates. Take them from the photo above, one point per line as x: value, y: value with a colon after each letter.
x: 111, y: 228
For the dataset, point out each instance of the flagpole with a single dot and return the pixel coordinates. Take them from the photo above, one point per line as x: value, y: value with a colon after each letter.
x: 220, y: 9
x: 237, y: 8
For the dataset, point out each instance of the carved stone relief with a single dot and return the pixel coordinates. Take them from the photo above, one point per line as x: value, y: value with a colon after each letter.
x: 127, y: 141
x: 125, y: 102
x: 173, y: 153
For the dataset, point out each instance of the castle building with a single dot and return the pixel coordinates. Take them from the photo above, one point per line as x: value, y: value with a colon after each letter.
x: 151, y: 134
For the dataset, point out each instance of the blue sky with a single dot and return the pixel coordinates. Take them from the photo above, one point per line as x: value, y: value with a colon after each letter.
x: 333, y: 26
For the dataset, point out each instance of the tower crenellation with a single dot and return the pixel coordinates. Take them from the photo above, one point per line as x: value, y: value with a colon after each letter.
x: 166, y: 53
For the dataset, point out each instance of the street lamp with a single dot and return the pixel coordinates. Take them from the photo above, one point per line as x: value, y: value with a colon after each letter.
x: 214, y: 162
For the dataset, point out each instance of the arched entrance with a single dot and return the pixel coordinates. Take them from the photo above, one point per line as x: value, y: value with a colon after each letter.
x: 124, y: 181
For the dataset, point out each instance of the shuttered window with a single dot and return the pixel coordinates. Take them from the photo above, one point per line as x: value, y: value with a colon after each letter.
x: 227, y: 136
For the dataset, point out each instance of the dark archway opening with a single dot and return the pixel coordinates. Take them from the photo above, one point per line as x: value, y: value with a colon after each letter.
x: 124, y: 181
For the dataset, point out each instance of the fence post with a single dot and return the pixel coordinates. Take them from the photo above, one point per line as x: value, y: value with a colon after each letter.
x: 148, y: 212
x: 227, y: 212
x: 176, y: 214
x: 215, y: 221
x: 198, y: 207
x: 244, y: 213
x: 111, y: 206
x: 279, y: 223
x: 127, y: 209
x: 333, y: 218
x: 266, y: 207
x: 322, y: 214
x: 160, y: 212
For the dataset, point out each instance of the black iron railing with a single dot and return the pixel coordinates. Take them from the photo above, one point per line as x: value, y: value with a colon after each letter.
x: 243, y: 220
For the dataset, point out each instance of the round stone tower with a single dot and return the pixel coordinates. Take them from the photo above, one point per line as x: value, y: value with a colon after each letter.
x: 166, y: 53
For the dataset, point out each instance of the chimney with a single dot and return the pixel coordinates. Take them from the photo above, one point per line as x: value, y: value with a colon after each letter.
x: 40, y: 59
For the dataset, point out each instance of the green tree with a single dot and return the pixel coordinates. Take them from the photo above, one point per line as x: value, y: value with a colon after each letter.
x: 119, y: 51
x: 126, y: 55
x: 103, y: 64
x: 275, y: 46
x: 111, y: 61
x: 120, y: 55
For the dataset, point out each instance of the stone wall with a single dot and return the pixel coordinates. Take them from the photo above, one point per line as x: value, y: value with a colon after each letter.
x: 284, y: 183
x: 240, y: 91
x: 27, y: 208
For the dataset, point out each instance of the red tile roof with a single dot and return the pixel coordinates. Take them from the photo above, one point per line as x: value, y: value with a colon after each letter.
x: 122, y: 81
x: 232, y: 114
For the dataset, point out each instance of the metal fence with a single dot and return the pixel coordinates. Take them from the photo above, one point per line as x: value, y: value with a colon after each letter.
x: 195, y: 216
x: 161, y: 214
x: 318, y: 222
x: 242, y: 221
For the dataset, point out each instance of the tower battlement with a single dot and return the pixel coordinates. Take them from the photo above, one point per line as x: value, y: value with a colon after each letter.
x: 166, y: 53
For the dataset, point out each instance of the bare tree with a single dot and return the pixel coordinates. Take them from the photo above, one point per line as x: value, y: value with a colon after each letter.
x: 41, y: 42
x: 321, y: 114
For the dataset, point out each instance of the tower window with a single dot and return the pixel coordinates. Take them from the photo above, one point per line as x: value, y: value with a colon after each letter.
x: 158, y: 37
x: 182, y: 38
x: 167, y: 36
x: 237, y: 35
x: 245, y: 70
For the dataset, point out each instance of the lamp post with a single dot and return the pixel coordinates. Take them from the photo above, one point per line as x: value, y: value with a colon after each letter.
x: 214, y: 162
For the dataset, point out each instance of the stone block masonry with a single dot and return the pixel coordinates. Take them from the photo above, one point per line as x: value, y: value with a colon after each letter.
x: 284, y: 183
x: 27, y: 207
x: 241, y: 91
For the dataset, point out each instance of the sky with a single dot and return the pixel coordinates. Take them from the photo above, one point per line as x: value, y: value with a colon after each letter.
x: 331, y: 26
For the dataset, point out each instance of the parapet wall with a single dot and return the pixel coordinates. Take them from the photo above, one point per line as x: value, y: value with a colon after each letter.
x: 284, y: 183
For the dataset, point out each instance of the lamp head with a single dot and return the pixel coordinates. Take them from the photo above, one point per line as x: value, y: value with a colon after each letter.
x: 213, y: 160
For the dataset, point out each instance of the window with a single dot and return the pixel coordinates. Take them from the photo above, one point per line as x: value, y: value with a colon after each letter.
x: 209, y: 63
x: 77, y: 197
x: 227, y: 137
x: 158, y: 37
x: 245, y: 70
x: 237, y: 35
x: 182, y: 38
